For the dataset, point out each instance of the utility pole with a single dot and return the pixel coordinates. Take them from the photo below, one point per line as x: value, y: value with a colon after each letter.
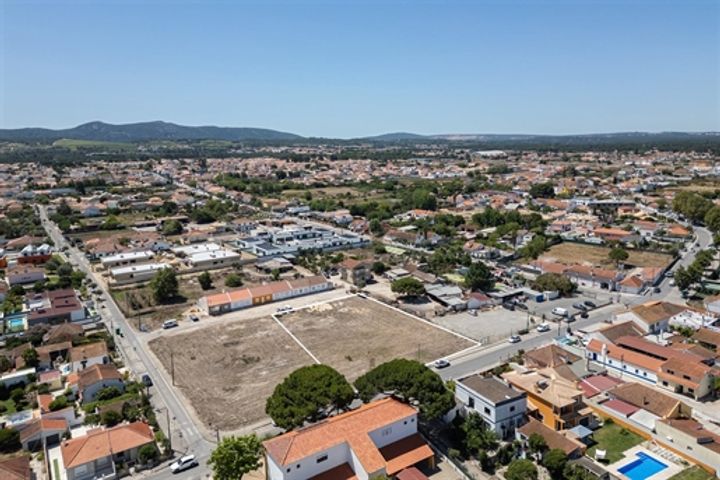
x: 167, y: 418
x: 172, y: 366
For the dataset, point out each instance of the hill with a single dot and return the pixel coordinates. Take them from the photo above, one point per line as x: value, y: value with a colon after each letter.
x: 145, y: 131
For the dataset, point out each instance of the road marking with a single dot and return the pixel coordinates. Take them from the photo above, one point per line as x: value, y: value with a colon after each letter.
x: 297, y: 340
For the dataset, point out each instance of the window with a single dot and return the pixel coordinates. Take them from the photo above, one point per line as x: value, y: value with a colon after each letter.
x: 321, y: 458
x: 386, y: 432
x: 288, y: 470
x: 297, y: 466
x: 486, y: 410
x: 644, y: 374
x: 512, y: 409
x: 471, y: 402
x: 665, y: 384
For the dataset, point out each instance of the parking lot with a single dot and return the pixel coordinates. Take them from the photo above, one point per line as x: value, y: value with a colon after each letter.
x: 488, y: 326
x: 546, y: 307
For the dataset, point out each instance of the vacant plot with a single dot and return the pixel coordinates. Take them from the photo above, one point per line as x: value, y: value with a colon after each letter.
x: 355, y: 334
x: 570, y: 253
x: 228, y: 371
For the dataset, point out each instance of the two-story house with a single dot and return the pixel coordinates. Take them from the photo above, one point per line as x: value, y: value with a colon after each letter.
x: 501, y: 407
x: 377, y: 439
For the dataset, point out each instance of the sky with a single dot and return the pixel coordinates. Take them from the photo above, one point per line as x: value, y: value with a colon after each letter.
x: 354, y: 68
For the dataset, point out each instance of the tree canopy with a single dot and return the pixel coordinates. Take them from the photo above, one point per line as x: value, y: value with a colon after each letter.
x: 307, y: 394
x: 236, y: 456
x: 554, y: 282
x: 164, y: 285
x: 479, y: 277
x: 408, y: 286
x: 410, y: 380
x: 521, y: 470
x: 618, y: 255
x: 542, y: 190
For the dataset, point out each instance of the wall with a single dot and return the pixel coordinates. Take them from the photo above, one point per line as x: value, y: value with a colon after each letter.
x: 499, y: 415
x: 309, y: 467
x: 88, y: 395
x: 687, y: 444
x: 397, y: 431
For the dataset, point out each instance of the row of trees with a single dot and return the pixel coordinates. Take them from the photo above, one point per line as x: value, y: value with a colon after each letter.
x: 685, y: 277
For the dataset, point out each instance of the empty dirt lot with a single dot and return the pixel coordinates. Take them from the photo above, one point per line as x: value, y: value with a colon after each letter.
x: 597, y: 256
x: 227, y: 371
x: 356, y: 334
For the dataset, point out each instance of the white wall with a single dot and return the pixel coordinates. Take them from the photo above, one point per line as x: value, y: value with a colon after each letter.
x: 394, y: 432
x: 309, y: 467
x: 506, y: 414
x: 624, y: 369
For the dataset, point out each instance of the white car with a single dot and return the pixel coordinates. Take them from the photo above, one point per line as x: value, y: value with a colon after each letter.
x: 543, y: 327
x: 285, y: 308
x: 188, y: 461
x: 442, y: 363
x: 514, y: 339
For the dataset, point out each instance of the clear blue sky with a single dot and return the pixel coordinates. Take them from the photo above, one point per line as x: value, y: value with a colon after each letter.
x: 354, y: 68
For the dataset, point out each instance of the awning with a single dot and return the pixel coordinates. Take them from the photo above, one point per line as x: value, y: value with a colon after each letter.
x: 411, y: 473
x: 580, y: 431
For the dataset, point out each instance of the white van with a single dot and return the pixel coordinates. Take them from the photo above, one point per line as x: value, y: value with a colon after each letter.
x: 170, y: 323
x: 559, y: 311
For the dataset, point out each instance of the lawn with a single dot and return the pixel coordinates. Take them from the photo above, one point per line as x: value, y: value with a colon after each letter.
x: 692, y: 473
x: 615, y: 440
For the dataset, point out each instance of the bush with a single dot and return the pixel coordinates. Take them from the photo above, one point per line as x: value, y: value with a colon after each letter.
x: 9, y: 440
x: 148, y: 453
x: 59, y: 403
x: 205, y: 281
x: 107, y: 393
x: 521, y: 470
x: 233, y: 280
x: 111, y: 418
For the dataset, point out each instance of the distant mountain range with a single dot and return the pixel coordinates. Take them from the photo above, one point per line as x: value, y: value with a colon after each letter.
x: 154, y: 131
x: 145, y: 131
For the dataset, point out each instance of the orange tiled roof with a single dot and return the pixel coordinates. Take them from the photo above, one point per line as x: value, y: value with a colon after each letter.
x: 352, y: 427
x: 101, y: 443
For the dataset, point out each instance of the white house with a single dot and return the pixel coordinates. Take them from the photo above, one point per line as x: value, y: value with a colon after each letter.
x: 127, y: 258
x: 652, y: 317
x: 377, y: 439
x: 95, y: 378
x: 136, y: 273
x: 499, y: 405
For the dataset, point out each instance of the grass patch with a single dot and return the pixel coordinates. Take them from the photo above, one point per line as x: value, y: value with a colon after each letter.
x: 73, y: 144
x: 615, y: 440
x: 692, y: 473
x: 56, y: 469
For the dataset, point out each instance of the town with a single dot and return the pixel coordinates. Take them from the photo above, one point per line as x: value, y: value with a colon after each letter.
x: 338, y: 310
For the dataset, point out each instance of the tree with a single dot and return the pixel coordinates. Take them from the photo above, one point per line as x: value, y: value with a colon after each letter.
x: 205, y: 281
x: 5, y: 364
x: 479, y: 277
x: 236, y: 456
x: 521, y: 470
x: 164, y: 285
x: 30, y: 356
x: 555, y: 461
x: 542, y: 190
x: 58, y: 403
x: 233, y: 280
x: 618, y: 255
x: 378, y: 268
x: 534, y: 247
x: 712, y: 219
x: 148, y: 453
x: 408, y: 286
x: 307, y: 394
x: 410, y: 380
x: 554, y: 282
x: 9, y: 440
x: 108, y: 393
x: 537, y: 443
x: 477, y: 435
x: 683, y: 278
x: 172, y: 227
x: 110, y: 418
x: 376, y: 227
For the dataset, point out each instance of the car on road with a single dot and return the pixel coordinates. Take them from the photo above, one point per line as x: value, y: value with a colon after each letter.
x: 584, y: 314
x: 669, y: 273
x: 671, y: 282
x: 580, y: 306
x: 441, y: 363
x: 514, y: 339
x: 590, y: 304
x: 656, y: 290
x: 194, y: 318
x: 543, y: 327
x: 184, y: 463
x: 147, y: 381
x: 571, y: 318
x: 172, y: 323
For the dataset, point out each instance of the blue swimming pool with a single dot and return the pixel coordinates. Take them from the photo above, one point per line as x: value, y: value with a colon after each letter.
x: 15, y: 324
x: 644, y: 467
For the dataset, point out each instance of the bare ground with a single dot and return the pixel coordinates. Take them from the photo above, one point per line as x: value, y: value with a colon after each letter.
x: 598, y: 256
x: 228, y: 371
x: 356, y: 334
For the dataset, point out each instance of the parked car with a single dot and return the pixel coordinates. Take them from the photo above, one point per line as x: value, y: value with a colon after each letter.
x: 194, y: 318
x: 580, y: 306
x: 543, y: 327
x: 590, y: 304
x: 441, y: 363
x: 508, y: 306
x: 672, y: 282
x: 559, y: 311
x: 584, y: 314
x: 656, y: 290
x: 147, y: 381
x: 514, y: 339
x: 521, y: 306
x: 284, y: 308
x: 184, y: 463
x: 170, y: 323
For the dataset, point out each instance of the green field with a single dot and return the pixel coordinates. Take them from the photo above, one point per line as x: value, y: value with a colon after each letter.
x: 75, y: 144
x: 692, y: 473
x: 615, y: 440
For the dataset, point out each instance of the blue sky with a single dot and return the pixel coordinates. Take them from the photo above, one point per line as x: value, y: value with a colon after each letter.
x: 352, y: 68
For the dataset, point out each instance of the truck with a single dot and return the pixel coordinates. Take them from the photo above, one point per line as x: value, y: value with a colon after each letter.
x: 559, y: 311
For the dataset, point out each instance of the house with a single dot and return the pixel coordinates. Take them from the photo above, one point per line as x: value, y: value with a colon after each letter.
x: 708, y: 338
x: 270, y: 292
x: 23, y: 274
x: 136, y: 273
x: 380, y: 438
x: 84, y: 356
x: 35, y: 255
x: 652, y: 317
x: 555, y: 401
x: 55, y: 306
x: 501, y: 407
x: 16, y: 468
x: 549, y: 356
x: 478, y: 300
x: 95, y: 378
x: 127, y: 258
x: 712, y: 304
x: 215, y: 259
x: 41, y: 432
x: 554, y: 440
x: 587, y: 276
x: 51, y: 378
x: 48, y: 355
x: 94, y: 455
x: 613, y: 234
x: 693, y: 439
x: 649, y: 399
x: 356, y: 272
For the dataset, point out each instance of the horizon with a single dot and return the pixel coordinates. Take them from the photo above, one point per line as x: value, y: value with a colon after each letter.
x: 353, y: 69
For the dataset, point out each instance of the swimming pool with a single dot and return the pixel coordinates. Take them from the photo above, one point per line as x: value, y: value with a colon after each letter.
x: 16, y: 324
x: 644, y: 467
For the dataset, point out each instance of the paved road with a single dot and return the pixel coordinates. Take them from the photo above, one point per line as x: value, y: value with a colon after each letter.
x: 186, y: 437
